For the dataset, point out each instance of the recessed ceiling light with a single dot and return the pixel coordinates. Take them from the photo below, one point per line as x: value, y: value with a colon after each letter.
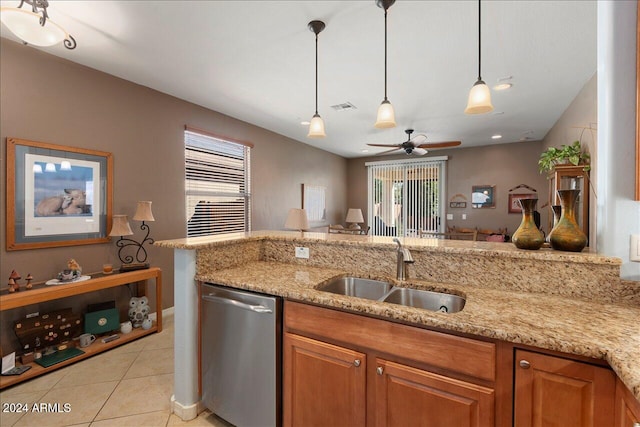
x: 305, y: 123
x: 496, y: 136
x: 364, y: 150
x: 502, y: 86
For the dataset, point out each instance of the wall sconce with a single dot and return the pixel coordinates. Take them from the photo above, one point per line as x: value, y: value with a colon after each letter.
x: 121, y: 228
x: 34, y: 27
x: 297, y: 220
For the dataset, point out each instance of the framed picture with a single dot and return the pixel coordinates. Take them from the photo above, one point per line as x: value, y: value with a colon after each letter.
x: 483, y: 196
x: 514, y: 206
x: 57, y: 195
x: 314, y: 202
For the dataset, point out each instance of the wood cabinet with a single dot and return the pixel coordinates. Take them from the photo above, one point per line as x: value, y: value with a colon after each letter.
x: 324, y: 385
x: 42, y: 293
x: 627, y: 410
x: 555, y: 391
x: 406, y: 396
x: 571, y: 177
x: 351, y: 370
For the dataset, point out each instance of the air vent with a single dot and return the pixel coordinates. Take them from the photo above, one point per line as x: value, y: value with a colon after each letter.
x: 344, y: 106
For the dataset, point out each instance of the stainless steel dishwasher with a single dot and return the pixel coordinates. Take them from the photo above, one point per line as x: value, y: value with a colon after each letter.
x: 241, y: 355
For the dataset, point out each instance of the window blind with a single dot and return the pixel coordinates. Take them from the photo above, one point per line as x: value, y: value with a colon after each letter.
x: 217, y: 185
x: 406, y: 196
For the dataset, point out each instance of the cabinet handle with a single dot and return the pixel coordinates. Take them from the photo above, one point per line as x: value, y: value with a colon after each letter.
x: 356, y: 363
x: 380, y: 370
x: 525, y: 364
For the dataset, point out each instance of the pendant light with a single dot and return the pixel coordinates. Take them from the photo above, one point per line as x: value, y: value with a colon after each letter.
x: 386, y: 116
x: 316, y: 127
x: 479, y: 97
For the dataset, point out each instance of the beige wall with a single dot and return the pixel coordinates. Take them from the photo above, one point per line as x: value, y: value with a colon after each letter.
x: 45, y: 98
x: 503, y: 165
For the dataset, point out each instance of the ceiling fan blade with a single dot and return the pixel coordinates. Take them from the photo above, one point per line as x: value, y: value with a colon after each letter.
x: 419, y: 151
x: 418, y: 139
x: 443, y: 144
x: 385, y: 145
x: 388, y: 151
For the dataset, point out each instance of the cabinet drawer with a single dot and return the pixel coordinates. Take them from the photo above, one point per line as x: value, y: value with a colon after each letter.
x: 458, y: 354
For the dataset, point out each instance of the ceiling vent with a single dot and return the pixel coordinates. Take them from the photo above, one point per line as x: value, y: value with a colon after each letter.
x: 344, y: 106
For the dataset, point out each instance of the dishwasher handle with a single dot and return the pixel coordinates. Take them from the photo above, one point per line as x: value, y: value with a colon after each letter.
x: 239, y: 304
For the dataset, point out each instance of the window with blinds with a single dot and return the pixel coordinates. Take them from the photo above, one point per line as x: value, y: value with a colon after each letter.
x: 406, y: 196
x: 217, y: 185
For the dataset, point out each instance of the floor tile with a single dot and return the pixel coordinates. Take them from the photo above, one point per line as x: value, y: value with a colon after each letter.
x: 42, y: 383
x: 139, y: 395
x: 78, y: 404
x: 205, y: 419
x: 151, y: 419
x: 104, y: 367
x: 23, y: 403
x: 163, y: 339
x: 151, y: 362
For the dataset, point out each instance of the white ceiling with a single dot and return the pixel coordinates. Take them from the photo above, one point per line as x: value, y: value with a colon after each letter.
x: 254, y: 60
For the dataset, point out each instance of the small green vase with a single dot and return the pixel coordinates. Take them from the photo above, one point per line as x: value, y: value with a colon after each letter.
x: 528, y: 235
x: 567, y: 234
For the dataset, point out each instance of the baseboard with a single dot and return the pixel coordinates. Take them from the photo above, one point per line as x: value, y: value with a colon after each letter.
x: 166, y: 312
x: 186, y: 413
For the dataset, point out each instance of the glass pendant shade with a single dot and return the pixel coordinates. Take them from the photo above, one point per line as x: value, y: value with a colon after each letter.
x: 26, y: 26
x: 65, y: 165
x: 50, y: 167
x: 479, y: 99
x: 37, y: 169
x: 386, y: 116
x: 316, y: 127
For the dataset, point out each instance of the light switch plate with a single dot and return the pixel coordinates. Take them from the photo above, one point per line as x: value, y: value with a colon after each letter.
x: 634, y: 250
x: 464, y: 216
x: 449, y: 217
x: 302, y: 252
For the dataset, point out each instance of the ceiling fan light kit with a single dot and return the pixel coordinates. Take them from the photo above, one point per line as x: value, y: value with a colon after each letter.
x: 480, y: 96
x: 316, y: 127
x: 386, y: 117
x: 34, y: 27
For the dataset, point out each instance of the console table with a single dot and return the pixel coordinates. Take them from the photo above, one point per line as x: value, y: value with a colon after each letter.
x: 42, y: 293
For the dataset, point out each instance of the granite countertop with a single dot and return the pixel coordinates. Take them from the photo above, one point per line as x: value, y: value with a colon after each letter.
x: 585, y: 328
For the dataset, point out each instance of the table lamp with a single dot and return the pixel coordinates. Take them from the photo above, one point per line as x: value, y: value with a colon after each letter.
x: 297, y: 220
x: 121, y: 228
x: 354, y: 218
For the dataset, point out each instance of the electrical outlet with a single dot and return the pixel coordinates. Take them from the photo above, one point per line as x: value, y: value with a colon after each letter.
x: 449, y: 217
x: 302, y: 252
x: 634, y: 250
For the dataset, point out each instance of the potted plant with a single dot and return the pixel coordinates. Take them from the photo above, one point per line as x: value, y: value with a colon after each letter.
x: 567, y: 154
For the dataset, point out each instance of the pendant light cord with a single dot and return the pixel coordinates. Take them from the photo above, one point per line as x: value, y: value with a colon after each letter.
x: 479, y: 41
x: 316, y: 73
x: 385, y: 54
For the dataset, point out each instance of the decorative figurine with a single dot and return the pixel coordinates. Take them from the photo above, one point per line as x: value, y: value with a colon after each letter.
x: 29, y: 279
x: 13, y: 281
x: 138, y: 310
x: 74, y: 266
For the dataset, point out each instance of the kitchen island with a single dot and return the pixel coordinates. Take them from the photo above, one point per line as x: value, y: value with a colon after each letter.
x: 558, y: 301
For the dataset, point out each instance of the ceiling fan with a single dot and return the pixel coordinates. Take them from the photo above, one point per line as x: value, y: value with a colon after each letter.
x: 416, y: 145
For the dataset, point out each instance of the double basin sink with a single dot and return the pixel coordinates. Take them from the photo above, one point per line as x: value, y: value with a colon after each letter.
x: 379, y: 290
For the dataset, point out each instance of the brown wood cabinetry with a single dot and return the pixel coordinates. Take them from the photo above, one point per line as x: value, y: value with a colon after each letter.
x: 351, y: 370
x: 406, y: 396
x: 324, y: 385
x: 551, y: 390
x: 627, y: 411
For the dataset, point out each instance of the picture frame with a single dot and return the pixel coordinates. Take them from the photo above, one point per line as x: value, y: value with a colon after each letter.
x: 514, y: 206
x: 314, y: 203
x: 57, y: 195
x: 483, y: 196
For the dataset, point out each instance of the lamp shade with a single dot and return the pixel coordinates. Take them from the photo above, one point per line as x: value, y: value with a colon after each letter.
x: 297, y: 219
x: 26, y: 26
x: 386, y: 116
x: 354, y: 215
x: 143, y: 212
x: 316, y: 127
x: 479, y: 99
x: 120, y: 226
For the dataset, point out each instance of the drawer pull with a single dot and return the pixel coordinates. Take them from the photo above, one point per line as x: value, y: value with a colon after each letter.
x: 525, y: 364
x: 380, y: 370
x: 356, y: 363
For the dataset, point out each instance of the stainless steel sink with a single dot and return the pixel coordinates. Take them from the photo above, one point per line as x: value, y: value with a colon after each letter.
x: 357, y: 287
x: 434, y: 301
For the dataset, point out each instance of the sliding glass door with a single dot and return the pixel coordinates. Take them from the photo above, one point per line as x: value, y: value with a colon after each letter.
x: 406, y: 196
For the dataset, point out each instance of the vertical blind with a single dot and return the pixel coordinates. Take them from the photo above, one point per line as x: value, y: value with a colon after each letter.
x: 406, y: 196
x: 217, y: 185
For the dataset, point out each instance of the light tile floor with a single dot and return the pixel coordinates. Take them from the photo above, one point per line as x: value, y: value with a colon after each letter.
x: 129, y: 386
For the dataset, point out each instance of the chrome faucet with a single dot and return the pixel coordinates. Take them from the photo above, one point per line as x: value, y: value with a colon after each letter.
x: 404, y: 258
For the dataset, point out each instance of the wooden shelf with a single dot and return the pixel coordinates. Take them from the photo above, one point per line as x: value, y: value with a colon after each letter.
x: 42, y: 293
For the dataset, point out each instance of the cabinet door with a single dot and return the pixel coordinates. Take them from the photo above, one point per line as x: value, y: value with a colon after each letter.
x: 627, y: 407
x: 406, y: 396
x: 553, y: 391
x: 324, y: 385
